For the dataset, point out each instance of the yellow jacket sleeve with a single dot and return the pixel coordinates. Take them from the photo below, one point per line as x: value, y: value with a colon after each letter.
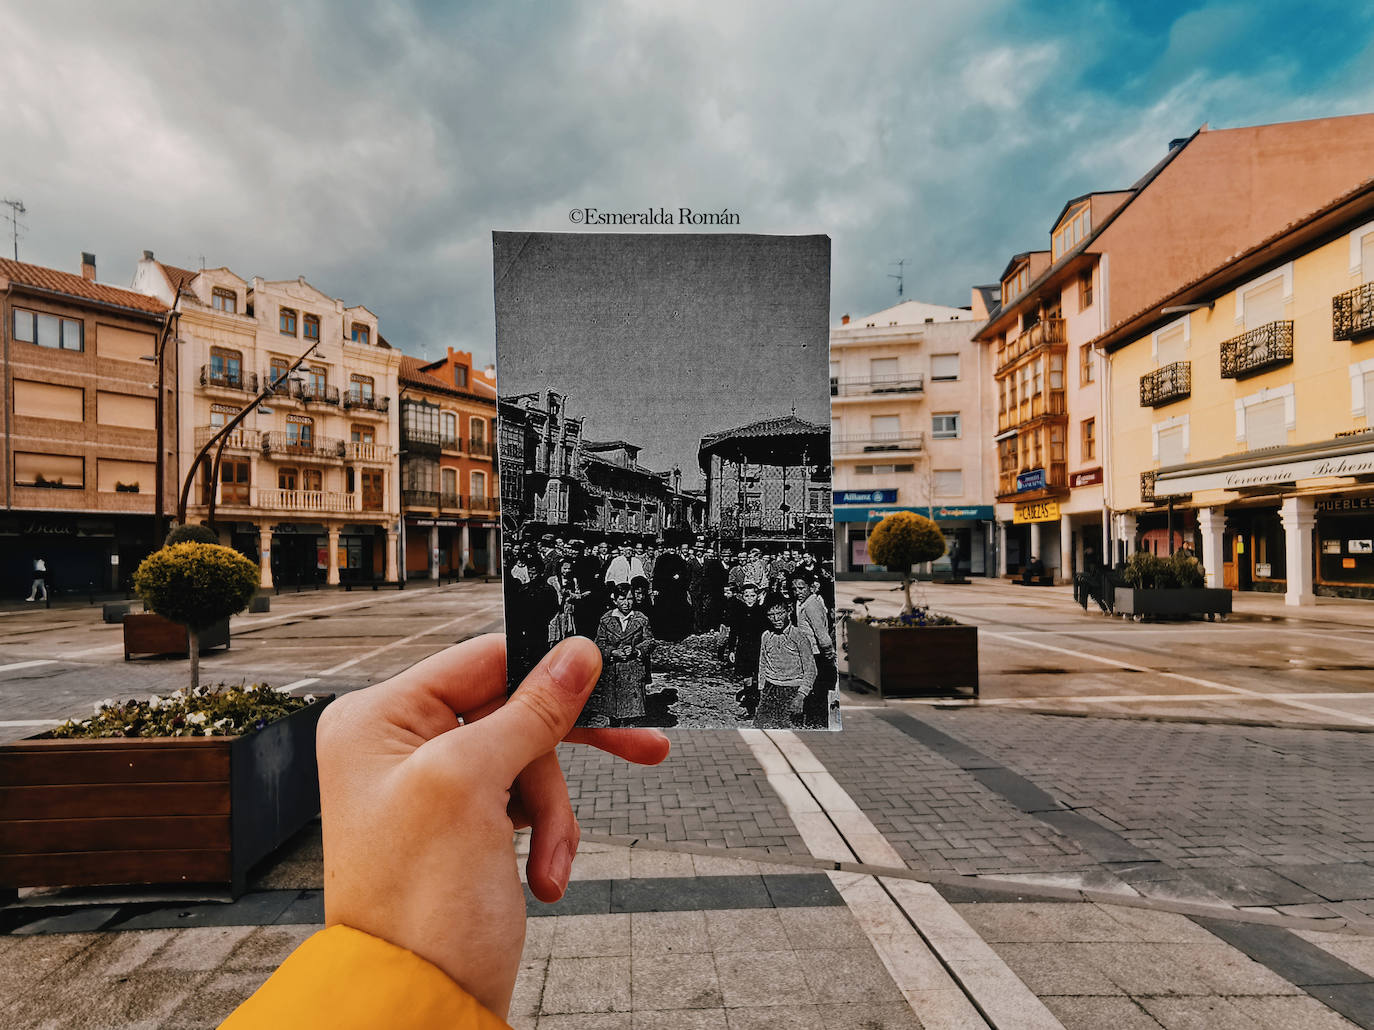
x: 342, y: 978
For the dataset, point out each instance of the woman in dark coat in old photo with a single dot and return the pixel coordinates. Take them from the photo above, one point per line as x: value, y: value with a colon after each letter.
x: 626, y: 642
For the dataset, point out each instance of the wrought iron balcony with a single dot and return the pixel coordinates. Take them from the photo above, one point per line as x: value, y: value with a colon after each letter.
x: 312, y: 392
x: 1165, y: 384
x: 1352, y: 314
x: 420, y: 498
x: 449, y: 443
x: 227, y: 380
x: 1259, y: 349
x: 866, y: 386
x: 480, y: 502
x: 319, y: 448
x: 415, y: 440
x: 479, y: 448
x: 450, y: 500
x: 877, y: 444
x: 357, y: 400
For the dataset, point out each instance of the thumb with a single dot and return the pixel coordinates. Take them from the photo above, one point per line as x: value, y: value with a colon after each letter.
x: 544, y: 707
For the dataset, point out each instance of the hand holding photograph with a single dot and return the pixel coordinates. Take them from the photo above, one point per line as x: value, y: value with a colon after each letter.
x: 664, y: 451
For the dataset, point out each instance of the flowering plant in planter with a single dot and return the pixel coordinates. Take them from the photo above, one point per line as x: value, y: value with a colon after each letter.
x: 223, y: 711
x: 920, y: 615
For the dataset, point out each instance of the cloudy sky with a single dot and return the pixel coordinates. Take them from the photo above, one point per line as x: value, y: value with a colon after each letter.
x: 373, y: 148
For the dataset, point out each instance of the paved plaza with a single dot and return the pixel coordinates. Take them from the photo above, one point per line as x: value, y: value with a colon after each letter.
x: 1137, y: 825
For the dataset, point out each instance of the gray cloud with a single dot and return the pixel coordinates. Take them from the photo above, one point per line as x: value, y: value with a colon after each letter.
x: 374, y: 148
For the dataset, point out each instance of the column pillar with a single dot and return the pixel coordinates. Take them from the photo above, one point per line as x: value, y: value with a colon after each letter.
x: 332, y: 576
x: 1125, y: 532
x: 391, y: 545
x: 1299, y: 518
x: 1065, y: 548
x: 1001, y: 549
x: 1211, y: 522
x: 1035, y: 551
x: 434, y: 552
x: 493, y: 553
x: 265, y: 556
x: 464, y: 547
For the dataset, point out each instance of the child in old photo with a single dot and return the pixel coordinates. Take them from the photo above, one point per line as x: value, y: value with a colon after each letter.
x: 786, y: 667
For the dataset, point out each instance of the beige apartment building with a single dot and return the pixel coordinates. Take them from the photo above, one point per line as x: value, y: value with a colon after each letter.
x: 1243, y: 412
x: 80, y: 428
x: 911, y: 430
x: 307, y: 482
x: 1111, y: 252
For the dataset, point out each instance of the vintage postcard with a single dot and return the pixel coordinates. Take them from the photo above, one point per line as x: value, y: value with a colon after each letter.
x: 664, y: 444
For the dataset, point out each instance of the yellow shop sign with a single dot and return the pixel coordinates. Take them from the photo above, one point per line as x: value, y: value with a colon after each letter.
x: 1036, y: 511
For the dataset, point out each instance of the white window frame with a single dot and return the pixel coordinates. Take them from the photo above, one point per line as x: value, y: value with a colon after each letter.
x: 1167, y: 424
x: 1358, y: 401
x: 1357, y: 248
x: 1164, y: 330
x: 1290, y: 407
x: 959, y: 368
x: 958, y: 425
x: 1284, y: 272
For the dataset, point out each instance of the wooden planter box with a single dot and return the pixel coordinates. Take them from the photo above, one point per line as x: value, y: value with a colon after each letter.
x: 152, y: 634
x: 159, y: 810
x: 1177, y: 602
x: 914, y: 661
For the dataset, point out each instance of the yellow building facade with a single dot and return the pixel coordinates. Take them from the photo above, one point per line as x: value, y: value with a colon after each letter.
x: 1241, y: 410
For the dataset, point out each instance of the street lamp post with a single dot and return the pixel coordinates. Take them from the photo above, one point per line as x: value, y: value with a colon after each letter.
x: 219, y: 438
x: 159, y: 414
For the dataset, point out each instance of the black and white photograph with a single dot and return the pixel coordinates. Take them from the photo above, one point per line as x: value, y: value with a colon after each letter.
x: 664, y: 446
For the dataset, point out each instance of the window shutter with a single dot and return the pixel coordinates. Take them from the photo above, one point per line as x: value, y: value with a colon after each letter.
x: 1265, y: 425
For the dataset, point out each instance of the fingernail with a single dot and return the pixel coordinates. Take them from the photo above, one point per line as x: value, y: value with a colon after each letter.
x: 560, y: 868
x: 570, y: 666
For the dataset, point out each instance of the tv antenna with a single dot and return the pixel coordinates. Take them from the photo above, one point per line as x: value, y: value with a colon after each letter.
x: 899, y: 275
x: 16, y: 209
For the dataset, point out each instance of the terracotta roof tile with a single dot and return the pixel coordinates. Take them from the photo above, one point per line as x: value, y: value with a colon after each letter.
x: 177, y: 278
x: 53, y: 281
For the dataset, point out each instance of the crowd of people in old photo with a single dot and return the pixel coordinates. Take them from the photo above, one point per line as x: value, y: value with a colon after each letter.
x: 767, y: 610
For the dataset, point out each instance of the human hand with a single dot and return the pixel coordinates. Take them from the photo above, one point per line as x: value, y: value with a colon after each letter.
x: 419, y: 809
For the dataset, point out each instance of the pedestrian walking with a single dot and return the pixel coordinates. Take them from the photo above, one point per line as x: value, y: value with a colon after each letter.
x: 40, y: 581
x: 813, y: 618
x: 626, y: 641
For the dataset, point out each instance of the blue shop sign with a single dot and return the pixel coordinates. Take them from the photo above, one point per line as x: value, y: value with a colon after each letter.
x: 940, y: 513
x: 1032, y: 480
x: 866, y: 496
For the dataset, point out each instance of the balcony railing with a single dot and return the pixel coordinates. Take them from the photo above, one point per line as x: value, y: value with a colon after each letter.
x: 311, y: 392
x: 210, y: 376
x: 1352, y: 314
x: 1259, y: 349
x: 480, y: 502
x: 450, y: 500
x: 1056, y: 479
x: 420, y: 498
x: 877, y: 444
x: 360, y: 401
x: 355, y: 450
x: 1040, y: 405
x: 1168, y: 383
x: 1048, y: 332
x: 479, y: 448
x: 420, y: 439
x: 307, y: 500
x: 239, y: 439
x: 865, y: 386
x: 320, y: 448
x: 449, y: 443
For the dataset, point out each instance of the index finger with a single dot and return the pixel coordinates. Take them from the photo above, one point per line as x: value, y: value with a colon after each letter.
x: 431, y: 693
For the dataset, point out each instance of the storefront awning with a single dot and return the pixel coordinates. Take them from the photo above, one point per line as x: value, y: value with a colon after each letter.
x: 1335, y: 458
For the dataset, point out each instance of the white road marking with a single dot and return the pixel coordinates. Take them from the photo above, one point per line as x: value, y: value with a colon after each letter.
x: 29, y: 722
x: 300, y: 683
x: 28, y: 665
x: 920, y: 937
x: 1102, y: 699
x: 485, y: 613
x: 1212, y: 684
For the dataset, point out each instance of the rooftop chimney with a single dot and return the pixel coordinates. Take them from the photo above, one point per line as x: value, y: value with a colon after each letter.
x: 147, y: 255
x: 1174, y: 144
x: 844, y: 320
x: 88, y: 266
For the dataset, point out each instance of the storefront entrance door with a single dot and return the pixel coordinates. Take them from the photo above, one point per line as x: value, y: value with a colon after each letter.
x: 1230, y: 575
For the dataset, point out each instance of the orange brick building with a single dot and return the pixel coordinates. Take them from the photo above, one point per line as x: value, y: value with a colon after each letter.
x: 79, y: 428
x: 448, y: 466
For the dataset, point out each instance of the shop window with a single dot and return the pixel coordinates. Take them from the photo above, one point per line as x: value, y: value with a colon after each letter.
x: 286, y: 322
x: 223, y: 299
x: 48, y: 330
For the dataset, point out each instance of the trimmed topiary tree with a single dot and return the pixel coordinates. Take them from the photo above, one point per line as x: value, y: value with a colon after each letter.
x: 197, y: 585
x: 904, y: 539
x: 192, y: 533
